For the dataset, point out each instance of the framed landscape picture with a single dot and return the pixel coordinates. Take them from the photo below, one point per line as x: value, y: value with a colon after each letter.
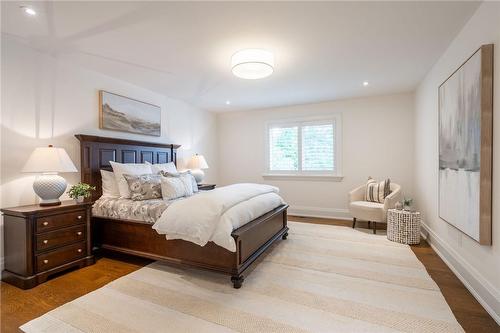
x: 120, y: 113
x: 466, y: 146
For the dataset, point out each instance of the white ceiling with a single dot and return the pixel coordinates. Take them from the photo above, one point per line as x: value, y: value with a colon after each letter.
x: 323, y: 50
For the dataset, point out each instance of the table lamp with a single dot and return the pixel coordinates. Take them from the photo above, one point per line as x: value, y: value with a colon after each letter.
x: 48, y: 161
x: 196, y: 164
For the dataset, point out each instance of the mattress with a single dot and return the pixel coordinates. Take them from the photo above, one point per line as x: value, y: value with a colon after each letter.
x: 127, y: 209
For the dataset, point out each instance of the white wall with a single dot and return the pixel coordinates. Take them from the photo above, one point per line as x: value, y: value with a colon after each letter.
x: 377, y: 142
x: 478, y: 266
x: 45, y: 101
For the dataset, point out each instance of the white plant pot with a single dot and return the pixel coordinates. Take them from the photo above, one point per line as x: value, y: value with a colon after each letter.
x: 80, y: 199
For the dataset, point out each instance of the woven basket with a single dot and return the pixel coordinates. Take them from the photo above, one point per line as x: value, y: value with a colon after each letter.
x: 403, y: 226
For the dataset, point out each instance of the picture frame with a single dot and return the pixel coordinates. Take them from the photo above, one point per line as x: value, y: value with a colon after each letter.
x: 125, y: 114
x: 466, y: 146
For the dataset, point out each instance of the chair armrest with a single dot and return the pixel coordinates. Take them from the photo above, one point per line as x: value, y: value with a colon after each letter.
x: 358, y: 194
x: 391, y: 199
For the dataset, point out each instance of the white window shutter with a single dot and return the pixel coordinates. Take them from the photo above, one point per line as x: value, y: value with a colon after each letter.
x: 283, y: 148
x: 318, y: 147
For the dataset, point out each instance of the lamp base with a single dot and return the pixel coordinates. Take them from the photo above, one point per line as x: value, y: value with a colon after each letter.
x: 198, y: 175
x: 49, y: 187
x: 49, y: 202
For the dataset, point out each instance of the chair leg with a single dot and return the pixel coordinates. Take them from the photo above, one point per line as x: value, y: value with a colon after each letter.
x: 374, y: 227
x: 369, y: 225
x: 353, y: 222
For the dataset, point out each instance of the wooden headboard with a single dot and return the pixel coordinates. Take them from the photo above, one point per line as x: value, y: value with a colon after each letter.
x: 97, y: 151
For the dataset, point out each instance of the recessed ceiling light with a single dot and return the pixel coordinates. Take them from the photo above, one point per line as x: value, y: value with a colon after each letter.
x: 28, y: 10
x: 252, y: 64
x: 228, y: 102
x: 365, y: 83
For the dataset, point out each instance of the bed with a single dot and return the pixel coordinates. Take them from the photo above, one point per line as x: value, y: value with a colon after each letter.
x: 136, y: 236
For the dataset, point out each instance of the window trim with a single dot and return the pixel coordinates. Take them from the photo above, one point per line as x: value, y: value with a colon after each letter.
x: 335, y: 175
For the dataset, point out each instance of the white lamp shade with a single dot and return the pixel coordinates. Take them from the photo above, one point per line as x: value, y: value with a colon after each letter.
x: 197, y: 162
x: 49, y: 159
x: 252, y: 64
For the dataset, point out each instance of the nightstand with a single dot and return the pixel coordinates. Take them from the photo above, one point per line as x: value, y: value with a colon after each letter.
x: 41, y: 241
x: 403, y: 226
x: 206, y: 187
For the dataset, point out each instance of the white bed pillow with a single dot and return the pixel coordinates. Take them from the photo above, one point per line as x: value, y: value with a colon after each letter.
x: 109, y: 185
x: 167, y: 167
x: 130, y: 169
x: 175, y: 187
x: 186, y: 174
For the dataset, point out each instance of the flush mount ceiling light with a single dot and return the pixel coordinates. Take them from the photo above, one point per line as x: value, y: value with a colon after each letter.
x: 28, y: 10
x: 252, y: 64
x: 365, y: 83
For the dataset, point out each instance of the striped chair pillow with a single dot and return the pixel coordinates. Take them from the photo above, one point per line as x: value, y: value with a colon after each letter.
x: 377, y: 191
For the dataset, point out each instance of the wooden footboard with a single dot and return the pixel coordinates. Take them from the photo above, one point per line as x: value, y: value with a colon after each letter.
x: 255, y: 237
x: 138, y: 238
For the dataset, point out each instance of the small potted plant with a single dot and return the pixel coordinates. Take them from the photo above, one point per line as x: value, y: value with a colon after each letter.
x: 407, y: 203
x: 80, y: 191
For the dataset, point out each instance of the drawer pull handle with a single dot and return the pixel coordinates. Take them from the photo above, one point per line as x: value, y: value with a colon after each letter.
x: 45, y: 261
x: 45, y: 223
x: 45, y: 241
x: 79, y: 250
x: 79, y: 233
x: 79, y: 217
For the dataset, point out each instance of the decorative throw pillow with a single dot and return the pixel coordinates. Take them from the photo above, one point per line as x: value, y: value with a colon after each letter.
x: 130, y: 169
x: 109, y: 185
x: 144, y: 187
x: 175, y: 187
x: 167, y: 167
x: 377, y: 191
x: 185, y: 174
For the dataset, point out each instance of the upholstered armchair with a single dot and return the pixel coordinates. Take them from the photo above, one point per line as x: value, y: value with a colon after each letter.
x: 372, y: 211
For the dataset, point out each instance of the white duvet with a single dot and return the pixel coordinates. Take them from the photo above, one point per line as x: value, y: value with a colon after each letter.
x: 213, y: 215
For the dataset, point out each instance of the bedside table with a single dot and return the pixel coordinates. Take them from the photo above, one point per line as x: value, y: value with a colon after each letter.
x: 403, y: 226
x: 41, y: 241
x: 206, y: 187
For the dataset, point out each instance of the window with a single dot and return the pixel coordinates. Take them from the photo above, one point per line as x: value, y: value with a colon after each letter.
x: 284, y: 148
x: 304, y: 147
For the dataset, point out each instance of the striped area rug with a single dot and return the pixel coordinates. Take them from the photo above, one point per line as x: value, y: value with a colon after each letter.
x: 322, y: 279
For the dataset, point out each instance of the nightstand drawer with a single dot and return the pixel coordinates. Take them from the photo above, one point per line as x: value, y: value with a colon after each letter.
x: 58, y: 221
x: 53, y: 239
x: 59, y: 257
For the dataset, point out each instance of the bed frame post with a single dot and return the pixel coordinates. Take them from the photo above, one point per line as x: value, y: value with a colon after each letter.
x: 285, y: 222
x: 237, y: 281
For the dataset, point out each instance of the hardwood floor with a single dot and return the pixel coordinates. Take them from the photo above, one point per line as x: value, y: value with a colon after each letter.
x: 20, y: 306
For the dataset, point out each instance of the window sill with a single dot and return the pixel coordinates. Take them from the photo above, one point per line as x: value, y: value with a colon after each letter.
x: 287, y: 176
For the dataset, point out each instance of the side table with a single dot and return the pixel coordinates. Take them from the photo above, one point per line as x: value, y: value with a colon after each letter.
x: 403, y: 226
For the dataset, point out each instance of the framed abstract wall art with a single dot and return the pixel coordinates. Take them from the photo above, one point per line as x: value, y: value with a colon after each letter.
x: 466, y: 146
x: 120, y: 113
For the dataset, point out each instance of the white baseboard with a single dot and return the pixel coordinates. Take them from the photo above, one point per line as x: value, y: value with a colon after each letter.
x: 479, y: 287
x: 328, y: 213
